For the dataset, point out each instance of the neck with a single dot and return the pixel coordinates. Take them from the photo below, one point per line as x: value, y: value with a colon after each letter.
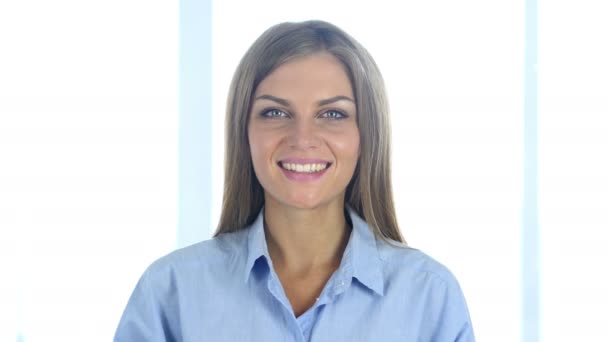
x: 303, y: 240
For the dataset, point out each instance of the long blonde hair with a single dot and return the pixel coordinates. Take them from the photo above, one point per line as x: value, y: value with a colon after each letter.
x: 369, y: 192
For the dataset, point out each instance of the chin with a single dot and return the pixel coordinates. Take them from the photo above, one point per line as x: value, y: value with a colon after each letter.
x: 306, y: 202
x: 303, y: 204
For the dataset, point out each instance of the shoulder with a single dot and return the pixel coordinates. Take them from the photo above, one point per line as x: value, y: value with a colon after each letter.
x: 430, y: 288
x: 422, y: 281
x: 221, y: 251
x: 181, y: 282
x: 402, y: 261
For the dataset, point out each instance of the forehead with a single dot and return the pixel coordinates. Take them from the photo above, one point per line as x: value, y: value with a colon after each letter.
x: 320, y: 75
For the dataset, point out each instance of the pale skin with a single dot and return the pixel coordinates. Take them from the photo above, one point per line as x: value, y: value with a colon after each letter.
x: 305, y: 110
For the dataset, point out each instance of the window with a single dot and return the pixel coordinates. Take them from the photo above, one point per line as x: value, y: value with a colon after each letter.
x: 573, y: 169
x: 88, y: 142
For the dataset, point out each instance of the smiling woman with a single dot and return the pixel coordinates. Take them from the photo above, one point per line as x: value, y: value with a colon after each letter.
x: 308, y: 247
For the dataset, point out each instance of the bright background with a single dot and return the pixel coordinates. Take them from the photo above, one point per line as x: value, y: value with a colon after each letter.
x: 111, y: 137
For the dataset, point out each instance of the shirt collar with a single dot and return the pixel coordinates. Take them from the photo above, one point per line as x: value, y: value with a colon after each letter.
x: 363, y: 253
x: 360, y: 260
x: 256, y: 244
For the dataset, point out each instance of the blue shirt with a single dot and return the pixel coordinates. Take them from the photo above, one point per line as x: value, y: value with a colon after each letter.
x: 225, y: 289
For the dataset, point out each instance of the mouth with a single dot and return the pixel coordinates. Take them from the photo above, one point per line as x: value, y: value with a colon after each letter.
x: 306, y: 168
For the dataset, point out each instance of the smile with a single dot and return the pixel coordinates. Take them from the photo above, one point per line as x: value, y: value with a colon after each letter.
x: 304, y: 168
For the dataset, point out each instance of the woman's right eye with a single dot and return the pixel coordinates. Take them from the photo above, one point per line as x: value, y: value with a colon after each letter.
x: 274, y: 113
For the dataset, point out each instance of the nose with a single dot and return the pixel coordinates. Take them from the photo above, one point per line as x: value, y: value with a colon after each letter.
x: 304, y: 135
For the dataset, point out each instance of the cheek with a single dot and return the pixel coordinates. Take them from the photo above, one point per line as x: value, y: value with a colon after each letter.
x: 254, y: 145
x: 256, y: 148
x: 348, y: 147
x: 261, y: 146
x: 353, y: 143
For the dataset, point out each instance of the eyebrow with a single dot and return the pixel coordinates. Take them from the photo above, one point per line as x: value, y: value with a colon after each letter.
x: 286, y: 103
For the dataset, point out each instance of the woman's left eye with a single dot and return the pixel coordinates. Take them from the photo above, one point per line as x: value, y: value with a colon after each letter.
x: 333, y: 114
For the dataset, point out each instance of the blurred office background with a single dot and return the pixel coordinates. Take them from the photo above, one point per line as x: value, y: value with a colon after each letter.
x: 111, y: 137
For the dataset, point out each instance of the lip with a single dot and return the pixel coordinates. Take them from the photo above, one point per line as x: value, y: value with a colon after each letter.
x: 304, y: 161
x: 303, y: 176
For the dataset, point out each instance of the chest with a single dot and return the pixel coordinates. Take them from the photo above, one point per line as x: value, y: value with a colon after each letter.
x: 303, y: 292
x: 257, y: 315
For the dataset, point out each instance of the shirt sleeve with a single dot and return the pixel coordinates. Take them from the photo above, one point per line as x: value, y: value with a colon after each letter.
x: 144, y: 318
x: 453, y: 319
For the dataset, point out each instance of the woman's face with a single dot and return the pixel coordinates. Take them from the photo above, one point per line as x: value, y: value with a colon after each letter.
x: 303, y: 132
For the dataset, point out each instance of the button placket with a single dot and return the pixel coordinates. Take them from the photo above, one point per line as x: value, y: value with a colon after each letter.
x: 277, y: 292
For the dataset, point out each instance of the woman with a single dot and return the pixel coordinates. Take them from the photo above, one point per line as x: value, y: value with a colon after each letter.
x: 308, y: 247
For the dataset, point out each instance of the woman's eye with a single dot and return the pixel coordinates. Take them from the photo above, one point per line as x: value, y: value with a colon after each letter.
x: 333, y: 114
x: 274, y: 113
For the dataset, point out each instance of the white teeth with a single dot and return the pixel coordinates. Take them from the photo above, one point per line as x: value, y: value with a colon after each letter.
x: 306, y: 168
